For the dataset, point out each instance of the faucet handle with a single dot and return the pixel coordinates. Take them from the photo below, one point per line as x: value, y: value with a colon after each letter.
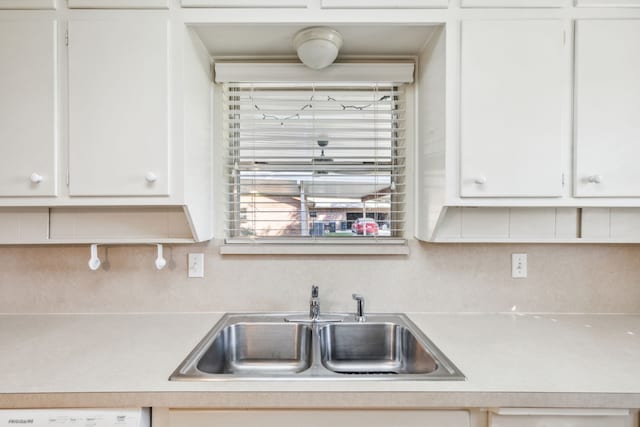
x: 314, y: 291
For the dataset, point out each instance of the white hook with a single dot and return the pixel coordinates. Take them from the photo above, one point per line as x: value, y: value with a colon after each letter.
x: 160, y: 261
x: 94, y: 261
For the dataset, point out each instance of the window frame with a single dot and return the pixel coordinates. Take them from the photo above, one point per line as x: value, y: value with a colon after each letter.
x: 321, y: 246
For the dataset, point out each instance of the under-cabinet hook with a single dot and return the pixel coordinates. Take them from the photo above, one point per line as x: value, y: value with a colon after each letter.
x: 94, y: 261
x: 160, y: 260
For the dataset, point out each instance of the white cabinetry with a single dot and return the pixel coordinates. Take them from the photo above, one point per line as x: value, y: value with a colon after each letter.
x: 23, y: 225
x: 311, y: 418
x: 27, y: 4
x: 118, y: 4
x: 512, y: 86
x: 512, y: 3
x: 245, y: 3
x: 384, y: 4
x: 607, y: 108
x: 536, y: 417
x: 503, y: 149
x: 609, y: 3
x: 139, y: 128
x: 28, y: 107
x: 119, y: 107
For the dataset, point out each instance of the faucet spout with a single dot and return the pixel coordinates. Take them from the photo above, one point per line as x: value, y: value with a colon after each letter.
x: 360, y: 317
x: 314, y: 312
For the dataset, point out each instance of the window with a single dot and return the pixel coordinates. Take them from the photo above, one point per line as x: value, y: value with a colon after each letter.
x: 320, y: 162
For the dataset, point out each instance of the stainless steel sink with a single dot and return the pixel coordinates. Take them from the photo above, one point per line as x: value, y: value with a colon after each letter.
x: 265, y: 347
x: 374, y: 348
x: 258, y: 348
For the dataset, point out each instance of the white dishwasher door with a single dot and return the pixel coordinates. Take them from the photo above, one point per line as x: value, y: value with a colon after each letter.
x: 125, y: 417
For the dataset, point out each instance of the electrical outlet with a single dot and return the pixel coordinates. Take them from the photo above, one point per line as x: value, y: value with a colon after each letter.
x: 519, y: 266
x: 196, y: 265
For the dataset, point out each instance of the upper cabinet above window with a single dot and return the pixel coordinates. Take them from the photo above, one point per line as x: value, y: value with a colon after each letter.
x: 325, y: 4
x: 512, y: 94
x: 384, y: 4
x: 512, y: 3
x: 28, y: 124
x: 245, y: 3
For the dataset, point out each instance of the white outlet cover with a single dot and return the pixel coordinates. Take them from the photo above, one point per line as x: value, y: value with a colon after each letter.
x: 196, y: 265
x: 518, y: 266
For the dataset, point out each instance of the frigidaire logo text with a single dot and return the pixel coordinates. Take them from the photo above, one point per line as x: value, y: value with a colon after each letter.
x: 20, y: 421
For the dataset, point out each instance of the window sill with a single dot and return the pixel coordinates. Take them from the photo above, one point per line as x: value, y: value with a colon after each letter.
x: 398, y: 247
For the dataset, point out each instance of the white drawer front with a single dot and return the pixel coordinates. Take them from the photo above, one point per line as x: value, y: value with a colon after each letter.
x: 527, y: 417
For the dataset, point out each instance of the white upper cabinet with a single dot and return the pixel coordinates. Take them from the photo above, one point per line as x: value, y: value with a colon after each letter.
x: 608, y: 3
x: 512, y: 92
x: 246, y: 3
x: 384, y: 4
x: 27, y: 4
x: 119, y: 107
x: 118, y: 4
x: 28, y: 109
x: 607, y: 108
x: 512, y: 3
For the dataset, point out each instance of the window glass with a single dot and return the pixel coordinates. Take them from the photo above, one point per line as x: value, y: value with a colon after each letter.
x: 315, y: 161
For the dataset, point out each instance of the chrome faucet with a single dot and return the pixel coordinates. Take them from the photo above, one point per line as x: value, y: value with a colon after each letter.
x: 360, y: 317
x: 314, y: 304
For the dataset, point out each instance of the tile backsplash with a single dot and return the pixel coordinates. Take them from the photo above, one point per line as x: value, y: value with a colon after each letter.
x: 433, y: 278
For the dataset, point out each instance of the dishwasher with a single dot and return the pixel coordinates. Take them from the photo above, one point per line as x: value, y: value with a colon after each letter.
x: 80, y: 417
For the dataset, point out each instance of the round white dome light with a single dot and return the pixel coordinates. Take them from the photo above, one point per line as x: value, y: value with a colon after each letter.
x: 317, y: 47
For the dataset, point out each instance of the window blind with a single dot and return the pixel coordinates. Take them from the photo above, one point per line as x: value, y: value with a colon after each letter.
x: 320, y: 162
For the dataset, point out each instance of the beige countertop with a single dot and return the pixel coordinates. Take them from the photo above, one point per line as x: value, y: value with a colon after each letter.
x: 102, y: 360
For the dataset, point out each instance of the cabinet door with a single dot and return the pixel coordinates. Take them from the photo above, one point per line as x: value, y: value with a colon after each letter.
x: 27, y: 4
x: 314, y: 418
x: 28, y: 131
x: 384, y: 4
x: 512, y: 3
x: 245, y: 3
x: 118, y: 107
x: 118, y: 4
x: 608, y: 3
x: 607, y: 109
x: 512, y: 92
x: 560, y: 417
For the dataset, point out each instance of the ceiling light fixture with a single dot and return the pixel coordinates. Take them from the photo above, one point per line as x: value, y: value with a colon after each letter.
x: 317, y: 47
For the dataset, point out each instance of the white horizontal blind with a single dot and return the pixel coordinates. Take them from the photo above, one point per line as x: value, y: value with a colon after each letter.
x: 305, y: 161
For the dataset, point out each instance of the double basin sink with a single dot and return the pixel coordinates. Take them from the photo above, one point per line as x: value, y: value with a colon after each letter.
x: 267, y: 346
